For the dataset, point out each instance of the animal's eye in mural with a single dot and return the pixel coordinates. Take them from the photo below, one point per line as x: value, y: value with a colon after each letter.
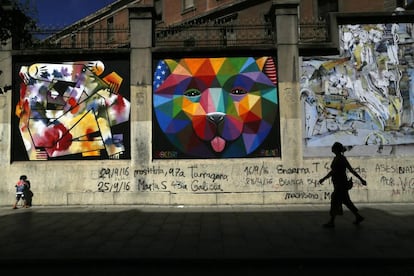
x: 192, y: 93
x: 238, y: 91
x: 69, y: 111
x: 217, y: 124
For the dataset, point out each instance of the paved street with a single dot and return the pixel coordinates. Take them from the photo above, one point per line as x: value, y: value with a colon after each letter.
x: 109, y: 240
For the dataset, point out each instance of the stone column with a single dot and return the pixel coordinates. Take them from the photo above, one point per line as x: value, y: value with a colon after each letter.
x: 5, y: 100
x: 286, y: 14
x: 141, y: 32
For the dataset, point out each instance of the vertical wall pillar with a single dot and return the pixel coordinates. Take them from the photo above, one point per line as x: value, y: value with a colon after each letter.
x: 286, y: 14
x: 141, y: 31
x: 5, y: 100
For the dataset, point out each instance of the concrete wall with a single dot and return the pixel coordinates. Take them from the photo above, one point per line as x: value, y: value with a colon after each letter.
x: 290, y: 179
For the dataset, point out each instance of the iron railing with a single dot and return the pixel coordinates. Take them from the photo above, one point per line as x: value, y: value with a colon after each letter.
x: 79, y: 39
x: 226, y: 35
x: 313, y: 32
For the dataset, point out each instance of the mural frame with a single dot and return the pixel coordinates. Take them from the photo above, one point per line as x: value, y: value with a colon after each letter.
x: 112, y: 67
x: 377, y: 145
x: 162, y: 148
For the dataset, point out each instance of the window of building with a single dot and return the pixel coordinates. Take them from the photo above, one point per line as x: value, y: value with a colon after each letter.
x: 158, y: 9
x: 91, y: 37
x: 188, y: 4
x: 110, y: 29
x: 325, y: 7
x: 73, y: 40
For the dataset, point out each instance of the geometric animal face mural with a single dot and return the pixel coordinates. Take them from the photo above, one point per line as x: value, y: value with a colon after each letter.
x: 364, y: 96
x: 216, y: 107
x: 70, y: 110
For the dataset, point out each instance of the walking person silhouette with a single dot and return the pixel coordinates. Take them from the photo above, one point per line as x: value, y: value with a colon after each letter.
x: 340, y: 193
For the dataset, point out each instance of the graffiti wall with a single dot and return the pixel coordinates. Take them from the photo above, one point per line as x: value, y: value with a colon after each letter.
x: 215, y: 108
x: 388, y: 181
x: 71, y: 110
x: 365, y: 95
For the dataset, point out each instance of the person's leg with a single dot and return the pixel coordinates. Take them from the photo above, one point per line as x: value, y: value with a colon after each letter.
x: 335, y: 206
x: 330, y: 223
x: 351, y: 206
x: 28, y: 200
x: 16, y: 202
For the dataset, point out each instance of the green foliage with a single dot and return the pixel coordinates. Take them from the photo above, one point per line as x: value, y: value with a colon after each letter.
x: 16, y: 22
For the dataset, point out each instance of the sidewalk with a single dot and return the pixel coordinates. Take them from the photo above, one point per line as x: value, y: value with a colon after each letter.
x: 202, y: 239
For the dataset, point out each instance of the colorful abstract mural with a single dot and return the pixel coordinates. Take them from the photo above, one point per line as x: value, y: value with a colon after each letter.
x: 216, y: 108
x: 71, y: 110
x: 365, y: 95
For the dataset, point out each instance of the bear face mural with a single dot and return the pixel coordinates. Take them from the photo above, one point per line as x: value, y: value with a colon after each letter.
x: 216, y: 107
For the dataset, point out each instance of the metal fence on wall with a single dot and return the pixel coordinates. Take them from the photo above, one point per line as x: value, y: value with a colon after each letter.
x: 78, y: 39
x: 226, y: 35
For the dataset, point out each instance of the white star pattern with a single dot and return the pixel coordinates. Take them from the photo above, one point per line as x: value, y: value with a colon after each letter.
x: 160, y: 74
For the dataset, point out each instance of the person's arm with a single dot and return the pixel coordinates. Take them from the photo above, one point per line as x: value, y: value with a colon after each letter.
x: 349, y: 167
x: 325, y: 177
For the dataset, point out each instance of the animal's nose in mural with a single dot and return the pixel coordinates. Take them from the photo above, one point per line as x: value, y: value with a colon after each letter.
x: 216, y: 118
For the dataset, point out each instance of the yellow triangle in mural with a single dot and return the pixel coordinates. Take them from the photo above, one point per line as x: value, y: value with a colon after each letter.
x: 216, y: 63
x: 261, y: 62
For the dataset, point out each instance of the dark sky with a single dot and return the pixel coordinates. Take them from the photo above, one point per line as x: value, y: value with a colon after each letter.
x: 61, y: 13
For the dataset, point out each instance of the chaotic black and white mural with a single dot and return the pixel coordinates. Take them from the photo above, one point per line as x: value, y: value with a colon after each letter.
x: 365, y: 95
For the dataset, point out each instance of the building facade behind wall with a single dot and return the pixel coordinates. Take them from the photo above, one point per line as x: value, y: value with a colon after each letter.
x: 212, y: 103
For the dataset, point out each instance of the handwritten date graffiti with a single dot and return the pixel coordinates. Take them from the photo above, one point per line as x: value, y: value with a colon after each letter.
x: 121, y: 186
x: 110, y: 173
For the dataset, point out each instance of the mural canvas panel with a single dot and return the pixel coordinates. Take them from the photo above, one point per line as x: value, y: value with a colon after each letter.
x: 71, y: 110
x: 221, y: 107
x: 365, y: 95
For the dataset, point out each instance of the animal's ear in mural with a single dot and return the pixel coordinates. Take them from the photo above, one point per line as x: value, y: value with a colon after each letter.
x: 216, y: 107
x: 67, y: 109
